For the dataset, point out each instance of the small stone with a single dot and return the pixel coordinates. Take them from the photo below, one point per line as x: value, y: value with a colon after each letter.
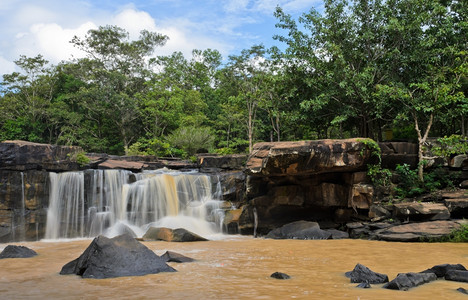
x: 462, y: 290
x: 361, y: 274
x: 279, y: 275
x: 364, y: 285
x: 170, y: 256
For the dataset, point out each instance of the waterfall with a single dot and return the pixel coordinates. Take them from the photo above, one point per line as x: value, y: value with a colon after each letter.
x: 116, y: 201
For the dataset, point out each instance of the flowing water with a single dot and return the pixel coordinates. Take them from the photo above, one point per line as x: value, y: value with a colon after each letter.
x: 111, y: 202
x: 238, y: 268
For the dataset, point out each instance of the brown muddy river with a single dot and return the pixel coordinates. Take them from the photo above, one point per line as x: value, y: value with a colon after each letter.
x: 238, y: 268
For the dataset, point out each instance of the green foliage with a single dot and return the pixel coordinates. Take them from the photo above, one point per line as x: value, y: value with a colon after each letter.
x: 154, y: 147
x: 371, y: 145
x: 459, y: 235
x: 410, y: 186
x: 451, y: 145
x: 380, y: 177
x: 80, y: 158
x: 192, y: 139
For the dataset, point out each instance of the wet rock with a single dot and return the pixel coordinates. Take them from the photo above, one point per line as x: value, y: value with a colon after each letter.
x: 414, y: 232
x: 362, y: 196
x: 170, y: 256
x: 405, y: 281
x: 464, y: 184
x: 361, y: 273
x: 12, y: 251
x: 116, y: 257
x: 462, y: 290
x: 441, y: 270
x: 458, y: 161
x: 421, y: 211
x: 364, y: 285
x: 302, y: 230
x: 457, y: 275
x: 171, y: 235
x: 279, y: 275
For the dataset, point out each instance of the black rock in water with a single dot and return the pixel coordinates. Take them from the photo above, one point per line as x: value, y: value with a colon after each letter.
x: 301, y: 230
x: 279, y: 275
x: 364, y: 285
x: 116, y: 257
x: 170, y: 256
x: 462, y: 290
x: 361, y: 273
x: 12, y: 251
x: 457, y: 275
x: 441, y: 270
x: 405, y: 281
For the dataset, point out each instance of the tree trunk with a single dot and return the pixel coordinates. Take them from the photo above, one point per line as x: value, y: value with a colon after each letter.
x: 421, y: 141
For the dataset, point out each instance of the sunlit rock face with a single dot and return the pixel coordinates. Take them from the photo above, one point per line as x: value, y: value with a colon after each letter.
x: 308, y: 157
x: 309, y: 180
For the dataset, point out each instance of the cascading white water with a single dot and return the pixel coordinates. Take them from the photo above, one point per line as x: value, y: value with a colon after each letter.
x: 65, y: 216
x: 114, y: 205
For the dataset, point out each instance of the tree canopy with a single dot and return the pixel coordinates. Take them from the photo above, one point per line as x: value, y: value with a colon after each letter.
x: 359, y: 68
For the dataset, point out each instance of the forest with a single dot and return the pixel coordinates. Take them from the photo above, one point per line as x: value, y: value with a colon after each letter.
x: 394, y: 69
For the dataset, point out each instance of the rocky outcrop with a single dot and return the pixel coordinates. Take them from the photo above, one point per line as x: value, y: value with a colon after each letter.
x: 171, y: 235
x: 399, y: 153
x: 22, y: 156
x: 12, y: 251
x: 116, y: 257
x: 416, y: 211
x: 308, y: 157
x: 210, y: 162
x: 405, y: 281
x: 416, y: 232
x: 361, y: 273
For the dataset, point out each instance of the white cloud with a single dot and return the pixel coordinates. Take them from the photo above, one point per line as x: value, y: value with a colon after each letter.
x: 6, y: 66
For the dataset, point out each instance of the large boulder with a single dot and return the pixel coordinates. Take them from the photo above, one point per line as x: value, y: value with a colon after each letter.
x: 116, y: 257
x: 226, y: 162
x: 308, y: 157
x: 12, y: 251
x: 302, y: 230
x: 361, y: 273
x: 171, y: 235
x: 405, y: 281
x: 417, y: 211
x: 22, y: 155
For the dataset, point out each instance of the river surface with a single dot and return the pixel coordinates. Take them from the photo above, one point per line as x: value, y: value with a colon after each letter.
x: 238, y: 268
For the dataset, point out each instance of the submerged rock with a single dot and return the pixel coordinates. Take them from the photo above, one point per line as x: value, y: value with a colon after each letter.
x: 116, y: 257
x: 457, y: 275
x: 462, y: 290
x: 364, y: 285
x: 302, y: 230
x: 361, y: 273
x: 405, y: 281
x: 12, y: 251
x: 170, y: 256
x: 279, y: 275
x: 171, y: 235
x: 441, y: 270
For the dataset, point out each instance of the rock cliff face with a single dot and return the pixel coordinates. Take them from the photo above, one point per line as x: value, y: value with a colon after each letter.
x: 315, y: 180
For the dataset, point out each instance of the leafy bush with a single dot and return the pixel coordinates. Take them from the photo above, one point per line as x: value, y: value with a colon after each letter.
x: 379, y: 176
x: 410, y: 186
x: 452, y: 145
x: 192, y: 139
x: 80, y: 158
x: 459, y: 235
x: 156, y: 147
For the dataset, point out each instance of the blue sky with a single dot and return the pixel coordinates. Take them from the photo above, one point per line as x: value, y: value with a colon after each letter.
x: 31, y: 27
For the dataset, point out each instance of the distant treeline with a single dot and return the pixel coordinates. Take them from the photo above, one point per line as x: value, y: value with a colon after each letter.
x: 358, y: 69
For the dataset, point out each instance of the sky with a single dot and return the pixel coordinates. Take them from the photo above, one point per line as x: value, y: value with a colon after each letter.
x: 32, y: 27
